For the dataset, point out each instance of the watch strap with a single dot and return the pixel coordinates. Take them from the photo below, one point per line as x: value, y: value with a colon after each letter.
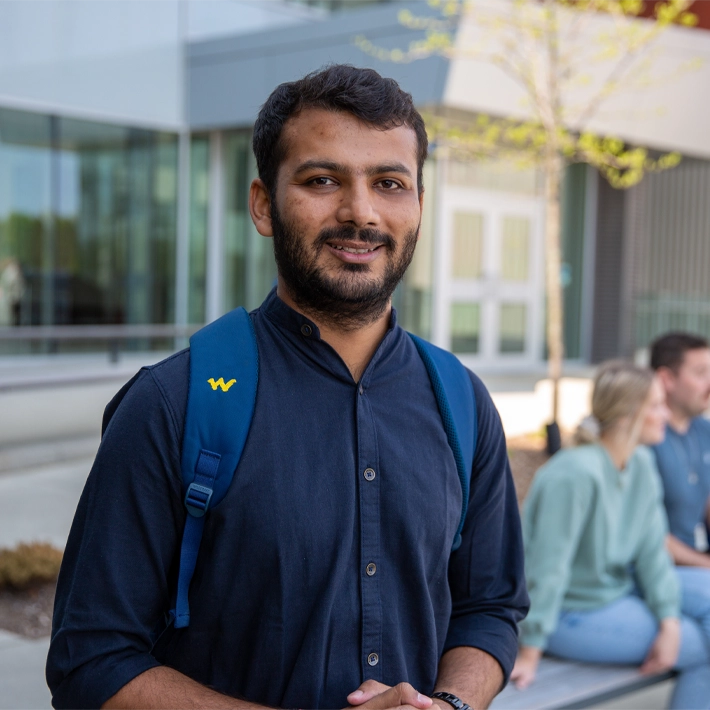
x: 452, y: 700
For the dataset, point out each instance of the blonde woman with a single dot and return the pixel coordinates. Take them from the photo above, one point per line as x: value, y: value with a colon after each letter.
x: 602, y: 585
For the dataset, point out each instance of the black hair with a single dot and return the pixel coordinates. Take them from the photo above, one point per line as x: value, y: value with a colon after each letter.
x: 669, y: 350
x: 338, y: 87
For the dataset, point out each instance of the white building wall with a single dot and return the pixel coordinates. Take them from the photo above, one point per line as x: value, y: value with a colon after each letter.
x: 116, y: 60
x: 106, y: 59
x: 668, y: 112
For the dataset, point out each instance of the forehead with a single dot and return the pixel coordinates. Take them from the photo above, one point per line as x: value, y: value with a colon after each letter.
x: 340, y: 137
x: 695, y: 359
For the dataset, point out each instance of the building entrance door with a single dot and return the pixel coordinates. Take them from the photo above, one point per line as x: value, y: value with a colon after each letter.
x: 489, y: 292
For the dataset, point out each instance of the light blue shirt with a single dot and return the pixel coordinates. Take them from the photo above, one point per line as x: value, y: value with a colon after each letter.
x: 684, y: 464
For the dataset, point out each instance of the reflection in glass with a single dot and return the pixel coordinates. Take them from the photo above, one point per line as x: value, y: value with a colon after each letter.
x: 236, y: 155
x: 515, y: 248
x: 199, y: 207
x: 512, y: 327
x: 467, y: 256
x: 26, y: 243
x: 465, y: 327
x: 87, y: 222
x: 249, y: 267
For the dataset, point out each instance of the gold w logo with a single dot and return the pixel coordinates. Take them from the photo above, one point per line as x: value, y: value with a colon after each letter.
x: 220, y: 383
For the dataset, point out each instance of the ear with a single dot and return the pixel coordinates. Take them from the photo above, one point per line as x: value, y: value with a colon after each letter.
x: 667, y: 378
x: 260, y: 208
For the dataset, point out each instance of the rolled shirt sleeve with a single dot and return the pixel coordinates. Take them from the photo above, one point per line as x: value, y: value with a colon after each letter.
x: 486, y: 574
x: 112, y: 593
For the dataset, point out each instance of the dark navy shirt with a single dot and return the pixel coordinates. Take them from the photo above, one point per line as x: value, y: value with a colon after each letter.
x: 684, y: 464
x: 327, y: 563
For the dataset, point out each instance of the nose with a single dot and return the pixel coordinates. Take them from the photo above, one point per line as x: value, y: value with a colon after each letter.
x: 357, y: 207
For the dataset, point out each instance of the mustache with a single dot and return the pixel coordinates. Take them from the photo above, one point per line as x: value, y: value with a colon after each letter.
x: 350, y: 233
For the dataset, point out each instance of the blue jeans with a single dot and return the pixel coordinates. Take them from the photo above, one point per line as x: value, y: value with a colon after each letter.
x: 623, y: 632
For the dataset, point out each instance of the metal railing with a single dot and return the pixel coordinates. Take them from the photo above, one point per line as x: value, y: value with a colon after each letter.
x: 114, y: 336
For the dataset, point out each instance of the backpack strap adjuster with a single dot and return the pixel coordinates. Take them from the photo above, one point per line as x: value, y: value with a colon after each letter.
x: 197, y: 499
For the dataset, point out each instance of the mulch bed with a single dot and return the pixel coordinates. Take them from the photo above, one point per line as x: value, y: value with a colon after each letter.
x: 29, y: 612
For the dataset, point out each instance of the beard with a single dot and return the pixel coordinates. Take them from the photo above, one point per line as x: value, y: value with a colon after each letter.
x: 350, y: 299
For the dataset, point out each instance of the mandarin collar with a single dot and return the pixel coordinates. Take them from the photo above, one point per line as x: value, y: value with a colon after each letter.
x: 289, y: 319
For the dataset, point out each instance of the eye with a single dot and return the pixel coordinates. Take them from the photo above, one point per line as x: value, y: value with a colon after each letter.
x: 321, y: 181
x: 389, y: 184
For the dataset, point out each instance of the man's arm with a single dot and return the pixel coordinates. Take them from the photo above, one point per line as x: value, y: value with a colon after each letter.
x: 165, y: 688
x: 115, y: 582
x: 471, y: 674
x: 683, y: 554
x: 486, y: 573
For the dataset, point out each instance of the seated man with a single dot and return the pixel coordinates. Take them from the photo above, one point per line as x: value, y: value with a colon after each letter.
x: 682, y: 362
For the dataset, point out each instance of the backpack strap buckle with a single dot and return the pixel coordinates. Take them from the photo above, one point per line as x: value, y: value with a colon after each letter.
x: 197, y: 499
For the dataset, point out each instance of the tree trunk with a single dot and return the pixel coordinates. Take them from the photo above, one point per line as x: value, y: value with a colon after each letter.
x: 553, y: 251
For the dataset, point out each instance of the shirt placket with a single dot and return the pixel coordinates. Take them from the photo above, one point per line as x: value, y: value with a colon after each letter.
x: 369, y: 478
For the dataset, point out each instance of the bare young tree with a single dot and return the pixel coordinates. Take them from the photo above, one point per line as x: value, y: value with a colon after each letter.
x: 570, y: 60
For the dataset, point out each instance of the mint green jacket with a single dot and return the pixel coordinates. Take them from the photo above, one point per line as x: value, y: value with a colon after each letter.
x: 591, y: 534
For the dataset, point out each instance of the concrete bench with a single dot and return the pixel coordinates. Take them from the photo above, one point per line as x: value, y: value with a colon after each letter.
x: 567, y: 684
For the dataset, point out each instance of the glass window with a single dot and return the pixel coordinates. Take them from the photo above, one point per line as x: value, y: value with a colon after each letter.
x: 26, y: 228
x: 87, y: 223
x: 465, y: 327
x: 512, y: 327
x: 467, y: 257
x: 249, y: 267
x: 199, y: 207
x: 115, y: 251
x: 497, y: 175
x: 515, y: 248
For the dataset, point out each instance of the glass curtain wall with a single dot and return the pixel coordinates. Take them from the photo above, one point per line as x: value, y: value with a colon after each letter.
x: 87, y: 221
x: 199, y: 209
x: 249, y: 267
x: 26, y: 226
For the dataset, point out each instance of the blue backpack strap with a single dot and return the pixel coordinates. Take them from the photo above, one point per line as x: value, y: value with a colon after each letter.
x: 457, y: 404
x: 224, y: 371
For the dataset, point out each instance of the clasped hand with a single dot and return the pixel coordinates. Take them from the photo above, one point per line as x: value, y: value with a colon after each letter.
x: 372, y: 695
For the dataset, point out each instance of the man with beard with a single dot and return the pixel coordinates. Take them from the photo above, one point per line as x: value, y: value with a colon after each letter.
x: 325, y: 577
x: 682, y: 361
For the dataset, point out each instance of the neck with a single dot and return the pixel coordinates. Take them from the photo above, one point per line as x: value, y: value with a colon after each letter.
x: 678, y: 420
x: 356, y: 346
x: 619, y: 443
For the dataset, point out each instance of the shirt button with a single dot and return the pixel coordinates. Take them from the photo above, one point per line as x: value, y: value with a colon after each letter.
x: 371, y: 569
x: 361, y: 389
x: 306, y: 329
x: 369, y: 474
x: 373, y: 659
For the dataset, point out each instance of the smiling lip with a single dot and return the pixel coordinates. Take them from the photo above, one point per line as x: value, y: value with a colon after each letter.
x: 354, y: 252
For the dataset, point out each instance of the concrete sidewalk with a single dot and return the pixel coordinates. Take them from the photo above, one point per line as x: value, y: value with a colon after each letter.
x: 35, y: 504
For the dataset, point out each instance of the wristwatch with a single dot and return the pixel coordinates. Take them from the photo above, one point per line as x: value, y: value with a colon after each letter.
x: 452, y: 700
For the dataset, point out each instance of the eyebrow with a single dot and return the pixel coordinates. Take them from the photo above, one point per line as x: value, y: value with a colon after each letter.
x: 371, y: 171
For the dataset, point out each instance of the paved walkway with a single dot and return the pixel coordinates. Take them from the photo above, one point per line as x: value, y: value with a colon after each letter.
x: 35, y: 504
